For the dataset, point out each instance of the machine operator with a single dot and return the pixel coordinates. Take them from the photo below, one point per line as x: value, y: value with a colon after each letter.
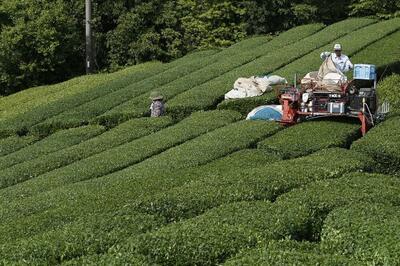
x: 342, y: 62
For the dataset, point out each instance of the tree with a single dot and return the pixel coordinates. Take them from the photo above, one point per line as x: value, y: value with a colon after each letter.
x: 381, y: 8
x: 37, y: 45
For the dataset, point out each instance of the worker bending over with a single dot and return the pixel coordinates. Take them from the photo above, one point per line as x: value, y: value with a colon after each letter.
x: 157, y: 106
x: 342, y: 62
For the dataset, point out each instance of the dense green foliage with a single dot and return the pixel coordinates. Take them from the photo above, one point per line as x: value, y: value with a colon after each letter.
x: 224, y: 62
x: 213, y: 188
x: 118, y: 157
x: 199, y: 188
x: 351, y: 43
x: 209, y: 94
x: 368, y: 232
x: 384, y: 53
x: 43, y: 42
x: 309, y: 137
x: 322, y: 197
x: 51, y: 144
x: 14, y: 143
x: 382, y: 143
x: 389, y: 89
x: 289, y: 252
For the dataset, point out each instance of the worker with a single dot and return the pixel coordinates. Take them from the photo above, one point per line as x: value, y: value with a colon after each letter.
x: 342, y: 62
x: 157, y: 107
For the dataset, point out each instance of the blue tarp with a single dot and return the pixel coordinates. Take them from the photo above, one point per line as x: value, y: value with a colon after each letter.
x: 266, y: 112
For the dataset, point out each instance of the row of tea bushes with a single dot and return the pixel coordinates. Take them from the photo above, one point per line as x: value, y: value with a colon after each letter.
x: 261, y: 183
x: 49, y: 145
x: 382, y: 143
x: 209, y: 94
x: 118, y: 157
x: 309, y: 137
x: 352, y: 43
x: 225, y: 63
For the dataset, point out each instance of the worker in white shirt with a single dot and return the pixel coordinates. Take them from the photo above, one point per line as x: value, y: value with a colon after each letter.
x: 341, y: 61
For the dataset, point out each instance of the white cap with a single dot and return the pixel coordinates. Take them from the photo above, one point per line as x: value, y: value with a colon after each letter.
x: 337, y: 47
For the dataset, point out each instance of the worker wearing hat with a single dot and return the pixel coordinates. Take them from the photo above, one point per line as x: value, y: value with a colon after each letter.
x: 157, y: 107
x: 341, y: 61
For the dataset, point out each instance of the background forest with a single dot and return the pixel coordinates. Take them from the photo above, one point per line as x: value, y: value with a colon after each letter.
x: 42, y: 41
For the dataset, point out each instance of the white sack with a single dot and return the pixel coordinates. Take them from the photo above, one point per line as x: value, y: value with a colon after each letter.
x: 253, y: 86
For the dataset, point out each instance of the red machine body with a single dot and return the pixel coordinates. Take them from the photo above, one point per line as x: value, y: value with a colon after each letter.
x: 355, y: 99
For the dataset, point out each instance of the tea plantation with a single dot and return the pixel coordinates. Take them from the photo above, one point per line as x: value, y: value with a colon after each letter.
x: 88, y: 178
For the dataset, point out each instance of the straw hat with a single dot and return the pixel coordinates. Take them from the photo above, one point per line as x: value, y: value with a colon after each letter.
x: 155, y: 95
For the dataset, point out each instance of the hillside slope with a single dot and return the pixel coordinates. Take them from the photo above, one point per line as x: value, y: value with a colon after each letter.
x: 87, y: 178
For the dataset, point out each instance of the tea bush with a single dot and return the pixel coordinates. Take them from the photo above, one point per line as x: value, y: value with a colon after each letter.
x: 121, y: 156
x: 213, y: 237
x: 99, y: 105
x: 352, y: 43
x: 382, y: 143
x: 210, y: 93
x: 367, y: 232
x: 15, y: 143
x: 308, y: 137
x: 289, y: 252
x: 389, y: 89
x: 25, y: 121
x: 226, y: 61
x: 262, y: 183
x: 384, y: 54
x: 50, y: 145
x: 324, y: 196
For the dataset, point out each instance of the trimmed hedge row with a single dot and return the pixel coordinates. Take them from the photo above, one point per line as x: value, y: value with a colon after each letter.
x: 211, y: 146
x: 324, y: 196
x: 289, y: 252
x: 263, y: 183
x: 232, y: 58
x: 246, y: 105
x: 352, y: 43
x: 117, y: 192
x: 26, y: 100
x: 209, y: 94
x: 389, y: 89
x: 382, y: 143
x: 242, y: 159
x: 106, y: 260
x: 385, y: 54
x: 51, y: 145
x: 116, y: 158
x: 90, y: 235
x: 220, y: 233
x: 15, y: 143
x: 213, y: 237
x: 124, y: 133
x: 24, y: 121
x: 368, y: 232
x: 308, y: 137
x: 87, y: 111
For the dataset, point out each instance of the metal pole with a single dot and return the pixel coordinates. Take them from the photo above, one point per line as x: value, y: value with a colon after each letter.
x: 89, y: 47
